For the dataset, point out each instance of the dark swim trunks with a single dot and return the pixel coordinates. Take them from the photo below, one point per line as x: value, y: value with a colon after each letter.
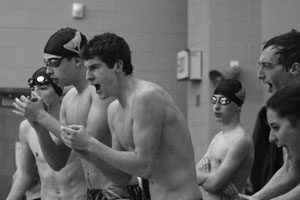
x: 132, y: 192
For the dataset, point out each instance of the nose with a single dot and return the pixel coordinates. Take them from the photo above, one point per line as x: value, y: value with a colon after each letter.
x: 88, y: 75
x: 49, y: 70
x: 216, y: 106
x: 272, y: 138
x: 260, y: 73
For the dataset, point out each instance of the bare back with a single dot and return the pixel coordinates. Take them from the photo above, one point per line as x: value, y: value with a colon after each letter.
x: 87, y: 109
x: 231, y: 158
x: 152, y: 123
x: 68, y: 183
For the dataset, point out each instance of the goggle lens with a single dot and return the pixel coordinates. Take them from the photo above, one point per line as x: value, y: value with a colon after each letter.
x: 40, y: 80
x: 222, y: 100
x: 52, y: 62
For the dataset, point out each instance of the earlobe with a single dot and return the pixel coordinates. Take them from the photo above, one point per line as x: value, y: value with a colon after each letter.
x: 295, y: 69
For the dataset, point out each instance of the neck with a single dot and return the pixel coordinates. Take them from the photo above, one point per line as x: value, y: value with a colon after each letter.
x: 127, y: 85
x: 80, y: 82
x: 54, y: 110
x: 231, y: 125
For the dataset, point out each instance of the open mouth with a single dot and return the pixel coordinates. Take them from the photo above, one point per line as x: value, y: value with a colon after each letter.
x: 97, y: 86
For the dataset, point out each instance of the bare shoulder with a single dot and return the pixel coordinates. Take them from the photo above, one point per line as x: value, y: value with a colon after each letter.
x: 69, y: 95
x: 243, y: 140
x: 151, y: 93
x: 25, y: 128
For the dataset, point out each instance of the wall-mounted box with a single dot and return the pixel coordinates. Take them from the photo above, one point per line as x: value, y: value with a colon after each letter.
x: 189, y: 65
x: 183, y: 65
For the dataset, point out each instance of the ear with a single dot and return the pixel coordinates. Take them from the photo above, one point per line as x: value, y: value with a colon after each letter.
x: 77, y: 61
x: 295, y: 69
x: 118, y: 66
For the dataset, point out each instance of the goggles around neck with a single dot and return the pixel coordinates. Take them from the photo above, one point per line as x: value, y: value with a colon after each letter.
x: 39, y: 80
x: 53, y: 62
x: 221, y: 100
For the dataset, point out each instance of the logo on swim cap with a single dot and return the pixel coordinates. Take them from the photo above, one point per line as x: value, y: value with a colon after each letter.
x: 65, y: 42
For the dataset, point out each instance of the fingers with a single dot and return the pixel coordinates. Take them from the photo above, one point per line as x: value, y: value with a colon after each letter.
x: 230, y: 190
x: 205, y: 164
x: 76, y: 127
x: 24, y: 99
x: 18, y: 113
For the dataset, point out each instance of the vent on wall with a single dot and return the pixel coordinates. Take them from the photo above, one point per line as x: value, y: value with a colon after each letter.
x: 8, y: 95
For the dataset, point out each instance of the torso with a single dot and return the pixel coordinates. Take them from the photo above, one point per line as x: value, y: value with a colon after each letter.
x: 217, y: 152
x: 174, y: 174
x: 78, y: 109
x: 68, y: 183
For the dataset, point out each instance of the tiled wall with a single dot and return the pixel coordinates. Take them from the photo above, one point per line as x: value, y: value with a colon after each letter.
x: 155, y: 30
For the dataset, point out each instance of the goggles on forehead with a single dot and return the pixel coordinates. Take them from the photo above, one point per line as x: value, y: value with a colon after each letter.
x: 52, y: 62
x: 222, y: 100
x: 40, y: 80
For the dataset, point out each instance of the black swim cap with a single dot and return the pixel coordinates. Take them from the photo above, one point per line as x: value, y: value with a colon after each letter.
x: 40, y: 77
x: 233, y: 90
x: 66, y: 42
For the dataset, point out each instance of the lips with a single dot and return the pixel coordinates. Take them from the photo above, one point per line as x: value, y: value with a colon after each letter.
x: 218, y: 115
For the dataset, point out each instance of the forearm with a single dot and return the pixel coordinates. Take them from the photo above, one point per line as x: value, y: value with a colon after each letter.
x: 282, y: 181
x: 126, y: 161
x: 201, y: 177
x: 291, y: 195
x: 50, y: 123
x: 19, y: 187
x: 115, y: 175
x: 56, y: 153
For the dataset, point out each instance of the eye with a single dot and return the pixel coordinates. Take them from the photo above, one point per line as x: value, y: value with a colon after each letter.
x: 274, y: 127
x: 267, y: 66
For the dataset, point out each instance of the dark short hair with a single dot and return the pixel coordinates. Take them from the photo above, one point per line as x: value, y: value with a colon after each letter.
x: 109, y: 48
x: 288, y: 45
x: 286, y: 103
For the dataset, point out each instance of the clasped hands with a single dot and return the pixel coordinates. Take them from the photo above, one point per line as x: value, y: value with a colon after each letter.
x: 30, y: 107
x: 74, y: 136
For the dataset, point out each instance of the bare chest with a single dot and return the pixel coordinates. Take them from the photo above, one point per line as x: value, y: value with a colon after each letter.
x: 123, y: 127
x: 219, y: 150
x: 77, y: 110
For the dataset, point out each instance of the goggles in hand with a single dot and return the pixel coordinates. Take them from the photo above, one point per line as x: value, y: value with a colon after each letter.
x: 222, y: 100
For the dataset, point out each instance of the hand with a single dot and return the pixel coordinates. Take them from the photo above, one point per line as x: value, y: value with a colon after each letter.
x: 204, y: 164
x: 29, y: 108
x: 231, y: 191
x: 75, y: 137
x: 246, y: 197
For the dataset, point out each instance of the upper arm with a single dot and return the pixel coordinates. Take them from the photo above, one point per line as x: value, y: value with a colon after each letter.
x: 110, y: 115
x: 27, y: 159
x: 148, y: 118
